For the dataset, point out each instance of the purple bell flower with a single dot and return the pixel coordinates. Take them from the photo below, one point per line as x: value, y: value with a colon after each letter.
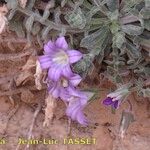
x: 76, y: 100
x: 57, y: 59
x: 57, y: 89
x: 109, y: 101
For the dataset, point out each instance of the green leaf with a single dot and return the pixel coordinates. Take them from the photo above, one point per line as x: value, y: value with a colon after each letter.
x: 96, y: 40
x: 83, y: 66
x: 132, y: 50
x: 46, y: 31
x: 147, y: 24
x: 112, y: 4
x: 29, y: 23
x: 145, y: 13
x: 17, y: 27
x: 119, y: 39
x: 147, y: 3
x: 132, y: 29
x: 36, y: 28
x: 76, y: 19
x: 12, y: 4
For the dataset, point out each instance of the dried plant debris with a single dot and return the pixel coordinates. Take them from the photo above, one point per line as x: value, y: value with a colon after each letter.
x: 26, y: 73
x: 49, y: 110
x: 126, y: 119
x: 38, y: 76
x: 3, y: 19
x: 28, y: 97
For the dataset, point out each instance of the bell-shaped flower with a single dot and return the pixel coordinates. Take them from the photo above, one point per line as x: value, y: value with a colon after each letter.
x: 115, y: 98
x: 57, y: 59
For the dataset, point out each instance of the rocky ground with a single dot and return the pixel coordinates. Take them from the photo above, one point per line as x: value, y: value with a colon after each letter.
x: 15, y: 122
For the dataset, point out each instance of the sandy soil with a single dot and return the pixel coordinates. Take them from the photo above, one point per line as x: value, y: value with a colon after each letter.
x: 17, y: 113
x: 15, y: 123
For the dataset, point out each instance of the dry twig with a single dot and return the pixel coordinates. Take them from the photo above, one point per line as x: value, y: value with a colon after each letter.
x: 30, y: 134
x: 49, y: 110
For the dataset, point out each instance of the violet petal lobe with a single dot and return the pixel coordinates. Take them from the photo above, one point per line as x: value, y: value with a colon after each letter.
x: 49, y: 47
x: 75, y: 80
x: 72, y: 110
x: 81, y: 118
x: 64, y: 94
x: 74, y: 55
x: 115, y: 104
x: 54, y: 73
x: 61, y: 43
x: 54, y: 90
x: 108, y: 101
x: 44, y: 58
x: 67, y: 72
x: 45, y: 61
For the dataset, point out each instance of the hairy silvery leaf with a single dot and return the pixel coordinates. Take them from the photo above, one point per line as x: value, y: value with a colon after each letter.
x: 31, y: 4
x: 113, y: 16
x: 12, y: 4
x: 76, y: 19
x: 145, y: 13
x: 146, y: 92
x: 132, y: 29
x: 112, y: 4
x: 102, y: 51
x: 36, y: 28
x: 96, y: 40
x: 91, y: 13
x: 132, y: 50
x: 126, y: 119
x: 115, y: 27
x: 119, y: 39
x: 147, y: 24
x: 129, y: 4
x: 147, y: 3
x: 83, y: 66
x: 11, y: 14
x: 17, y: 27
x: 142, y: 41
x: 46, y: 31
x: 117, y: 79
x: 63, y: 2
x: 111, y: 70
x: 29, y: 23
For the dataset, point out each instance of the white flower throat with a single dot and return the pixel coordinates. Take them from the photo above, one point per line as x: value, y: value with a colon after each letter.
x: 61, y: 58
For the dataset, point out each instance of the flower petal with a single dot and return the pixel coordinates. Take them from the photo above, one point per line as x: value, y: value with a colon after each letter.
x: 113, y: 94
x: 74, y: 55
x: 81, y: 118
x: 66, y: 71
x: 117, y: 98
x: 115, y: 104
x: 45, y: 65
x: 54, y: 73
x: 49, y: 47
x: 61, y: 43
x: 55, y: 92
x: 107, y: 101
x: 64, y: 94
x: 74, y: 92
x: 44, y: 58
x: 72, y: 110
x: 75, y: 80
x: 45, y: 61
